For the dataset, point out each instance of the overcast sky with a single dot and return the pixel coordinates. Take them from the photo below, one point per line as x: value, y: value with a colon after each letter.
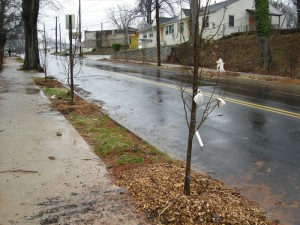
x: 93, y: 14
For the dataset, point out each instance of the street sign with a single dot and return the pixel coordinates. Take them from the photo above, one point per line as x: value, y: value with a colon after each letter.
x: 67, y: 21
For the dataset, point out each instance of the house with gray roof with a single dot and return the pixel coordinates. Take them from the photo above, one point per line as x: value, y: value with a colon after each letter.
x: 223, y: 18
x: 232, y: 16
x: 147, y: 35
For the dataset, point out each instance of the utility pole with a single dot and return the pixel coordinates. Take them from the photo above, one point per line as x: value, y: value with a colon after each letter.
x: 157, y: 33
x: 59, y: 38
x: 56, y: 34
x: 79, y: 16
x: 193, y: 16
x: 71, y: 58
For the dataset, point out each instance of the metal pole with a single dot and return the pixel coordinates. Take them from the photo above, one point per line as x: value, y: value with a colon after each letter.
x: 71, y: 58
x: 79, y: 15
x: 55, y: 34
x: 59, y: 38
x: 157, y: 33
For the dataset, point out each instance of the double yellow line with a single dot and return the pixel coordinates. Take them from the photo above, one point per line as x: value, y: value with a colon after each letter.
x: 266, y: 108
x: 239, y: 102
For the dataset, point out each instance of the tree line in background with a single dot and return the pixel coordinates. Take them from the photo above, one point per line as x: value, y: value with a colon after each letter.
x: 11, y: 25
x: 289, y: 9
x: 18, y: 21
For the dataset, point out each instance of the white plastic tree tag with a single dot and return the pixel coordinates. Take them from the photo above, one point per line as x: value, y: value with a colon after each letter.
x: 199, y: 139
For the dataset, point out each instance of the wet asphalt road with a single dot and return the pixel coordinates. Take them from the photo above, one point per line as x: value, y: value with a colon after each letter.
x: 253, y: 149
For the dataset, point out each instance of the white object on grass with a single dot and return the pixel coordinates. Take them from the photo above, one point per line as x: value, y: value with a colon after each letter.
x: 220, y: 65
x: 220, y: 102
x: 198, y: 99
x: 199, y: 138
x: 53, y: 97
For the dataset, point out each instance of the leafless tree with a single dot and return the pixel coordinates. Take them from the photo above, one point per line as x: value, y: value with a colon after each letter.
x: 145, y: 8
x: 10, y: 23
x: 289, y: 11
x: 297, y: 4
x: 44, y: 53
x: 122, y: 17
x: 72, y: 64
x: 46, y: 5
x: 30, y: 13
x: 193, y: 100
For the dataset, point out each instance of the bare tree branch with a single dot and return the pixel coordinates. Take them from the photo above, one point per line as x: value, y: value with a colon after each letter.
x: 122, y: 17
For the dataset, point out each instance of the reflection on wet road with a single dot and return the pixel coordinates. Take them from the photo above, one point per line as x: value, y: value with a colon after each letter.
x: 253, y: 146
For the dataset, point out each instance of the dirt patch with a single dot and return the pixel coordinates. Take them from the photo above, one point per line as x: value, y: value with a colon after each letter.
x: 152, y: 179
x: 49, y: 82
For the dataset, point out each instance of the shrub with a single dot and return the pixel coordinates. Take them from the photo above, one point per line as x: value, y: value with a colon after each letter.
x: 116, y: 46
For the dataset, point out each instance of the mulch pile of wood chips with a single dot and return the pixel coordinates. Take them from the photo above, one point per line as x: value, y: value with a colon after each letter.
x: 158, y: 191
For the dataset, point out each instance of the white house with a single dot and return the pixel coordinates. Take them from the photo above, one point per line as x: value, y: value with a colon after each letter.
x: 234, y: 16
x: 223, y: 18
x: 172, y: 30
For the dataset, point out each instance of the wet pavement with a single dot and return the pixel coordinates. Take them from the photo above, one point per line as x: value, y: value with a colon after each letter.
x: 251, y: 147
x: 48, y: 173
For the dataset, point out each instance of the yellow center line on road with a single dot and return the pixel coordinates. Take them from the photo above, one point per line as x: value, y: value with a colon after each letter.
x: 236, y: 101
x: 265, y: 108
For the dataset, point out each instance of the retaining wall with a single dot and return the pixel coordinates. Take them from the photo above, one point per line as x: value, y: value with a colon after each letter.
x: 145, y: 54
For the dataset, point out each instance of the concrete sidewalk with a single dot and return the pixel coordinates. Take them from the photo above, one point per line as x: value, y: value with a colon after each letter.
x: 46, y: 178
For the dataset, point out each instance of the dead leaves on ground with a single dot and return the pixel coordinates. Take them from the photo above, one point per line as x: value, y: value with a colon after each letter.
x: 158, y: 190
x: 80, y: 107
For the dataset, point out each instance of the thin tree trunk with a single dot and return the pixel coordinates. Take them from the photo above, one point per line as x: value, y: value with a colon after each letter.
x: 265, y: 52
x: 192, y: 127
x: 192, y: 124
x: 30, y: 17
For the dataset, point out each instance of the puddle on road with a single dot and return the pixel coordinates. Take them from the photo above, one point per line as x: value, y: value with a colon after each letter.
x: 32, y: 91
